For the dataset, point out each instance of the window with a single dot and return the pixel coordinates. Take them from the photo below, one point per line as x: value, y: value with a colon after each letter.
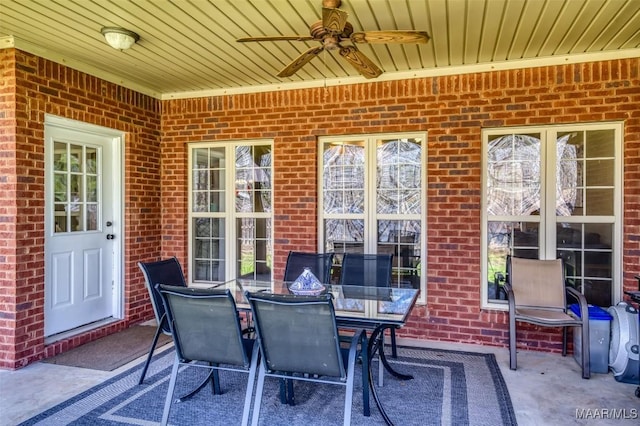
x: 76, y: 177
x: 554, y: 192
x: 230, y: 231
x: 371, y: 192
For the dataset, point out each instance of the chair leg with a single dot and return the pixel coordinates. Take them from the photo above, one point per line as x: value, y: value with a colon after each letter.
x: 215, y: 382
x: 286, y: 392
x: 512, y: 342
x: 364, y: 354
x: 250, y: 382
x: 348, y: 398
x: 172, y: 386
x: 255, y: 416
x: 564, y: 341
x: 210, y: 378
x: 153, y: 347
x: 291, y: 399
x: 283, y: 392
x: 586, y: 355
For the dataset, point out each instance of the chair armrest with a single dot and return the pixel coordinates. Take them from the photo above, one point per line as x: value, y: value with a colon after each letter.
x: 582, y: 301
x: 511, y: 297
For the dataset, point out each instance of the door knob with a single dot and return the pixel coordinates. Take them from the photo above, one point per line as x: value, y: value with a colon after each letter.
x: 110, y: 236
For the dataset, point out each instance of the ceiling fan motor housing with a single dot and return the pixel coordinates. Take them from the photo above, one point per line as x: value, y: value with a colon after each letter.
x: 332, y: 4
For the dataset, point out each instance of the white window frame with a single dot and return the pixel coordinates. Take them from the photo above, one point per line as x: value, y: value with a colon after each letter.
x: 548, y: 221
x: 230, y: 215
x: 370, y: 215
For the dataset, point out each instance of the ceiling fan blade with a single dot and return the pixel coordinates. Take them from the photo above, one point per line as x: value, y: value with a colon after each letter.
x: 300, y: 61
x: 334, y: 20
x: 390, y: 37
x: 276, y: 38
x: 360, y: 62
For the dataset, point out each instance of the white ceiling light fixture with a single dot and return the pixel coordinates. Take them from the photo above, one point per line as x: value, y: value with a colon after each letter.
x: 119, y: 38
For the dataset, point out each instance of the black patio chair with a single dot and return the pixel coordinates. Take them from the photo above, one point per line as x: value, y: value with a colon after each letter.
x: 318, y: 263
x: 169, y: 272
x: 369, y: 270
x: 299, y: 340
x: 206, y: 329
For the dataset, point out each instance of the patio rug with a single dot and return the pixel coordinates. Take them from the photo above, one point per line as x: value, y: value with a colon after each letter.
x: 449, y: 388
x: 113, y: 351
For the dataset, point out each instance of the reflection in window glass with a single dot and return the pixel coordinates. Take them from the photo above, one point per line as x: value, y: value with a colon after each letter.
x: 253, y: 179
x: 399, y: 175
x: 343, y: 177
x: 372, y: 194
x: 215, y: 258
x: 520, y: 239
x: 92, y: 217
x: 401, y: 238
x: 208, y: 249
x: 513, y: 175
x: 518, y: 196
x: 207, y: 180
x: 253, y: 248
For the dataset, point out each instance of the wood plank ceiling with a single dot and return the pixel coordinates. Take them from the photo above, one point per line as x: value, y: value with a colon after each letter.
x: 188, y: 48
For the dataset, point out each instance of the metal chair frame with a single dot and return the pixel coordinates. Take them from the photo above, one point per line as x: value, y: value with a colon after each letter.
x: 206, y: 329
x: 319, y: 264
x: 537, y: 294
x: 308, y: 349
x: 167, y: 271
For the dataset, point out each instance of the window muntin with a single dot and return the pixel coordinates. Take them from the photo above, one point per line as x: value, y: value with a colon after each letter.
x: 553, y: 193
x: 230, y: 242
x: 371, y: 191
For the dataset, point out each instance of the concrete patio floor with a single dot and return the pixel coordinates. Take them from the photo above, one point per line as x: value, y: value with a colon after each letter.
x: 547, y: 389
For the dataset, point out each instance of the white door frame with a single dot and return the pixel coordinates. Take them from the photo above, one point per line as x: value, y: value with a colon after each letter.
x: 116, y: 182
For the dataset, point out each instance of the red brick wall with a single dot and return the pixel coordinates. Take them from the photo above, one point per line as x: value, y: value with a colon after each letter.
x: 8, y: 208
x: 33, y: 87
x: 453, y: 110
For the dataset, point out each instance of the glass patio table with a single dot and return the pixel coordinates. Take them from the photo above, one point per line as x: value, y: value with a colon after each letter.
x: 370, y: 308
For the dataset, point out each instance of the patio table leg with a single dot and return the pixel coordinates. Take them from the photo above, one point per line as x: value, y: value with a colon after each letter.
x: 377, y: 337
x: 376, y: 343
x: 212, y: 376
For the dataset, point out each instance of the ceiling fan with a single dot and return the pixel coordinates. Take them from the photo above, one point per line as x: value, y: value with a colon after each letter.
x: 332, y: 31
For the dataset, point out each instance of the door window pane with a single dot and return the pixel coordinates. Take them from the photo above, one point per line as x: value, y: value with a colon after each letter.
x: 92, y: 217
x: 76, y: 188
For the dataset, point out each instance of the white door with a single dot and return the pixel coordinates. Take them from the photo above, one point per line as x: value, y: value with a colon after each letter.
x: 82, y: 284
